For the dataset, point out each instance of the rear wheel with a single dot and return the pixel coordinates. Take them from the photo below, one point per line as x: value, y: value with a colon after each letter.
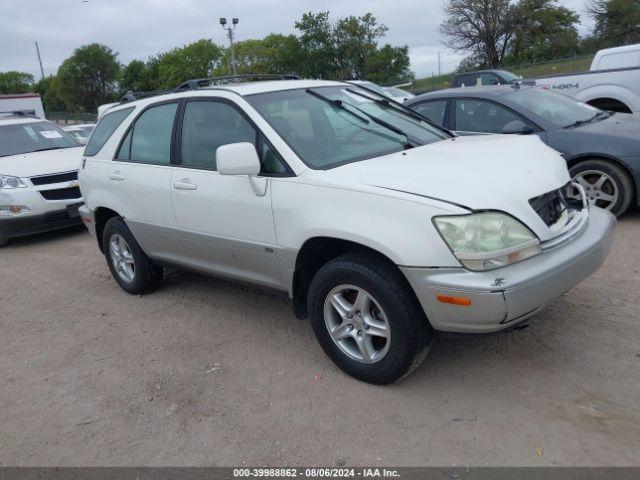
x: 129, y: 265
x: 3, y: 241
x: 606, y: 184
x: 367, y: 320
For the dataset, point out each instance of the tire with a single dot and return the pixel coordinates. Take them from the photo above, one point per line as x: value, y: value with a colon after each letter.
x: 590, y: 170
x: 145, y: 276
x: 392, y: 304
x: 3, y: 242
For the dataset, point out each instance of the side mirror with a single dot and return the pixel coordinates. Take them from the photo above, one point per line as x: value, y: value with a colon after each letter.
x: 517, y: 127
x: 237, y: 159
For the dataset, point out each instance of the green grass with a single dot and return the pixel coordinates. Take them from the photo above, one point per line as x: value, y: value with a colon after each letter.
x: 557, y: 67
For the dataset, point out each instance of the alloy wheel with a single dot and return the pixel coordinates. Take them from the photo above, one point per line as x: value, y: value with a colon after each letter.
x: 600, y: 188
x: 122, y: 258
x: 357, y: 324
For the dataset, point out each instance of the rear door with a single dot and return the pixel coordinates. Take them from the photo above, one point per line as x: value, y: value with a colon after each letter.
x: 141, y: 177
x: 227, y: 228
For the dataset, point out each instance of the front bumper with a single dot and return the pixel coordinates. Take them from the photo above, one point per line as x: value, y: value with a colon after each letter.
x: 23, y: 225
x: 504, y: 297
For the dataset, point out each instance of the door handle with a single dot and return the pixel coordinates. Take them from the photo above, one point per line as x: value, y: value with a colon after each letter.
x: 185, y: 185
x: 116, y: 176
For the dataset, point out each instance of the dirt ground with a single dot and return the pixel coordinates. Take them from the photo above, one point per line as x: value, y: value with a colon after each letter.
x: 205, y: 372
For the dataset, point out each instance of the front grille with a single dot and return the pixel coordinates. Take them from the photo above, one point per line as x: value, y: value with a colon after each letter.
x: 61, y: 193
x: 550, y: 206
x: 55, y: 178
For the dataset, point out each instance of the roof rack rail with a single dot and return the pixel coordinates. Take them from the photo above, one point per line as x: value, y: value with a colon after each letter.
x: 131, y: 96
x: 208, y: 82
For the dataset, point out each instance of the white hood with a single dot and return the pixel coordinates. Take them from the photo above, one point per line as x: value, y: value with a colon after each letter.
x: 489, y: 172
x: 42, y: 163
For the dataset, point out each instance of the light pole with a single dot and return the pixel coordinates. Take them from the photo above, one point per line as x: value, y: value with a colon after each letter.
x: 234, y: 22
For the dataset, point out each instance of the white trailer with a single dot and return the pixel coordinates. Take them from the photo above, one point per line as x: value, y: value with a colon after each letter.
x: 22, y: 102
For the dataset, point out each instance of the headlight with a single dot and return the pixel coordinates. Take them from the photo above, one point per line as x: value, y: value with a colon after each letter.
x: 8, y: 183
x: 487, y: 240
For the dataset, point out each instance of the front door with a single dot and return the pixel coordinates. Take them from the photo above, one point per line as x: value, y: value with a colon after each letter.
x: 226, y: 226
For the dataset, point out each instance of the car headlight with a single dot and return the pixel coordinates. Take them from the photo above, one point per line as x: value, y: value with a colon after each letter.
x: 487, y: 240
x: 8, y: 183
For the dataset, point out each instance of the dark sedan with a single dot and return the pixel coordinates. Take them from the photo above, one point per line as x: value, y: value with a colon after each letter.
x: 602, y: 149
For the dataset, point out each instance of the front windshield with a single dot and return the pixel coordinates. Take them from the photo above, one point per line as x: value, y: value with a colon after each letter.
x: 554, y: 107
x: 325, y: 134
x: 19, y: 138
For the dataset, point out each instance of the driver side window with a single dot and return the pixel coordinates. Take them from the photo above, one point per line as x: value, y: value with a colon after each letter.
x: 481, y: 116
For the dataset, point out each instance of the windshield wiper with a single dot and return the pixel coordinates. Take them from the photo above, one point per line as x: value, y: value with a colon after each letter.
x: 577, y: 123
x: 337, y: 104
x: 341, y: 105
x: 385, y: 102
x: 387, y: 125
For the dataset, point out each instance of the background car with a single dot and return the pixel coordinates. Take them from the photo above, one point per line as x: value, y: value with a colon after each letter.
x: 80, y: 132
x: 602, y: 149
x: 484, y: 78
x: 38, y: 177
x: 398, y: 94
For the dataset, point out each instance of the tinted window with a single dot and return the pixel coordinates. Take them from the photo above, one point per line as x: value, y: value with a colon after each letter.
x: 433, y: 110
x: 19, y: 138
x: 150, y: 138
x: 482, y: 116
x: 105, y: 128
x: 209, y: 125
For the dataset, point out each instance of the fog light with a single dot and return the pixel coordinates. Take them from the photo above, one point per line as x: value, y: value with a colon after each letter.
x: 14, y: 210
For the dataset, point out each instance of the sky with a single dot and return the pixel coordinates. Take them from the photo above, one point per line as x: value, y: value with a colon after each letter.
x: 137, y: 29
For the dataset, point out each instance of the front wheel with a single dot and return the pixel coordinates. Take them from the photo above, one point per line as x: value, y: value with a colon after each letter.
x: 367, y: 320
x: 129, y: 265
x: 605, y: 183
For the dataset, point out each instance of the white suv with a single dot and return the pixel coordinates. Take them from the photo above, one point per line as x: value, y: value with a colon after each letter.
x: 381, y: 227
x: 38, y: 177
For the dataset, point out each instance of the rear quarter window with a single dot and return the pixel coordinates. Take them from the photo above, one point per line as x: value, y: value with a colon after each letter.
x: 105, y: 128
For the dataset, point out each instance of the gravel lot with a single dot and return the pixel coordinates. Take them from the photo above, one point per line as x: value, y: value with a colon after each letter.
x: 205, y: 372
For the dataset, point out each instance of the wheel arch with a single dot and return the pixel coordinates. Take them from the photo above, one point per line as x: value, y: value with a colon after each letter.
x: 608, y: 103
x: 101, y: 216
x: 316, y: 252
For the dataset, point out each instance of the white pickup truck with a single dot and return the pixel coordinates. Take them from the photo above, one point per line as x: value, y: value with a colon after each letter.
x: 612, y: 82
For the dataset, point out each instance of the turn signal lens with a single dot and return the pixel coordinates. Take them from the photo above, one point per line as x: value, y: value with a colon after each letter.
x: 461, y: 301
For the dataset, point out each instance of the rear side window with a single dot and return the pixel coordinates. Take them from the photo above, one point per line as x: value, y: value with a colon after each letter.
x: 105, y: 128
x: 433, y: 110
x: 149, y: 140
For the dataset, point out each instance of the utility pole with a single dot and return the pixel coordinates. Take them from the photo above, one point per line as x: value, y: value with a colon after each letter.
x: 439, y: 65
x: 40, y: 61
x: 234, y: 22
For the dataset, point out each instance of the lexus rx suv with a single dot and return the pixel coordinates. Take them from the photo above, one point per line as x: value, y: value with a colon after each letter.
x: 38, y: 177
x: 382, y: 227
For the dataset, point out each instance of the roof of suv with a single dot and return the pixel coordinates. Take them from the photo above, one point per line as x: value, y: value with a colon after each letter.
x: 240, y: 88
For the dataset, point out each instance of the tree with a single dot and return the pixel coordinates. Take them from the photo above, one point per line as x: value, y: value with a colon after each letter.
x: 133, y: 77
x: 544, y: 31
x: 196, y: 60
x: 15, y: 82
x: 274, y: 53
x: 617, y: 22
x: 356, y: 40
x: 389, y: 65
x: 49, y: 90
x: 88, y: 78
x: 481, y: 28
x: 317, y: 44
